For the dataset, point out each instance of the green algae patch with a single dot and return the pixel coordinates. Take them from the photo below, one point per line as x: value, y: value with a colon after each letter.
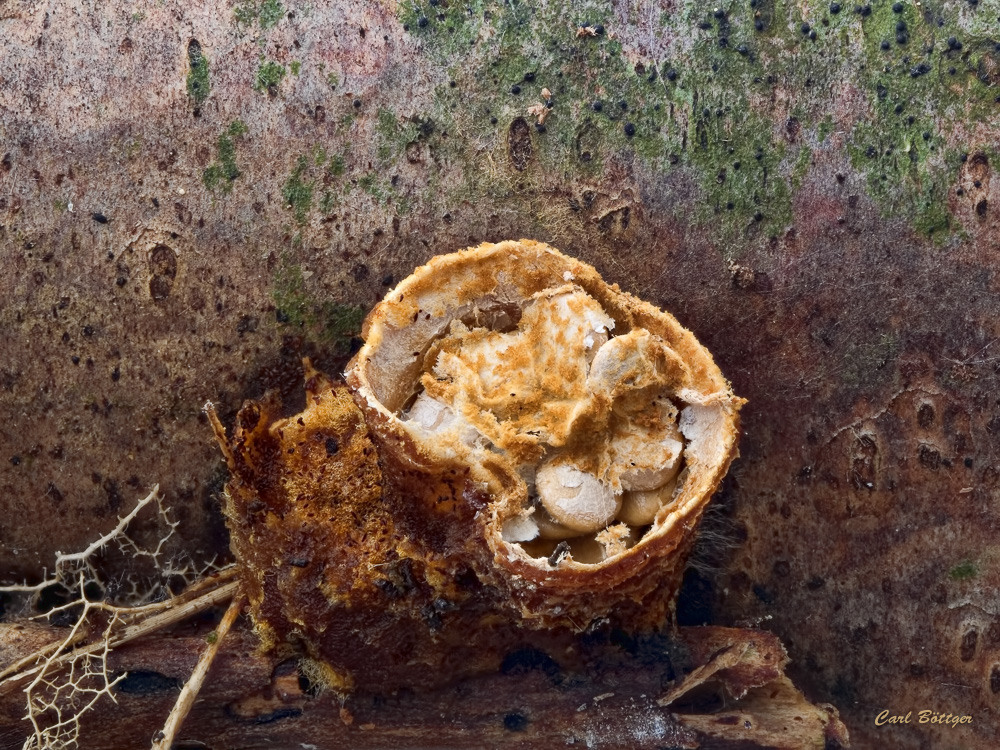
x: 266, y: 14
x: 964, y: 571
x: 198, y: 85
x: 297, y: 191
x: 333, y: 324
x: 221, y: 174
x: 289, y: 294
x: 268, y: 76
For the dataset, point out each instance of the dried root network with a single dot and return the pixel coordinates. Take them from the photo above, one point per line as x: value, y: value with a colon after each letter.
x: 67, y: 678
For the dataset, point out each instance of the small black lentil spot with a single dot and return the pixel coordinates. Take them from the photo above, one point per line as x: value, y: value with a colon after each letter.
x: 116, y: 375
x: 539, y: 127
x: 599, y: 29
x: 331, y: 446
x: 629, y: 129
x: 835, y: 8
x: 964, y: 157
x: 742, y: 49
x: 897, y: 7
x: 15, y: 460
x: 74, y: 359
x: 805, y: 28
x: 515, y: 89
x: 298, y: 562
x: 671, y: 75
x: 515, y: 722
x: 121, y: 281
x: 951, y: 71
x: 598, y: 105
x: 959, y: 191
x: 902, y: 38
x: 705, y: 25
x: 977, y: 183
x: 422, y: 21
x: 623, y: 105
x: 982, y: 207
x: 898, y: 109
x: 910, y: 120
x: 719, y: 13
x: 88, y: 330
x: 529, y: 77
x: 885, y: 44
x: 900, y: 25
x: 758, y: 216
x: 953, y: 43
x: 357, y: 103
x: 493, y: 121
x: 759, y: 25
x: 99, y: 218
x: 812, y: 35
x: 926, y: 135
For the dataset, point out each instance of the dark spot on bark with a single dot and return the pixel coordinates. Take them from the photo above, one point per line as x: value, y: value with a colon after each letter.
x: 99, y: 218
x: 782, y: 568
x: 527, y: 660
x: 298, y: 562
x: 246, y: 324
x: 982, y: 207
x: 763, y: 594
x: 116, y: 375
x: 110, y: 488
x: 925, y: 415
x: 792, y: 128
x: 163, y: 270
x: 331, y: 446
x: 929, y: 457
x: 359, y: 272
x: 145, y: 682
x: 54, y: 494
x: 519, y: 144
x: 816, y: 583
x: 515, y: 722
x: 995, y: 679
x: 967, y: 650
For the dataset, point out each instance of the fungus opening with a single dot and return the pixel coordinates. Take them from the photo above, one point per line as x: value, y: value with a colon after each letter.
x: 571, y: 424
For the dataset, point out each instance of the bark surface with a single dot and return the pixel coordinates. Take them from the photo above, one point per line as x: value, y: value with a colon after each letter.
x: 193, y: 196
